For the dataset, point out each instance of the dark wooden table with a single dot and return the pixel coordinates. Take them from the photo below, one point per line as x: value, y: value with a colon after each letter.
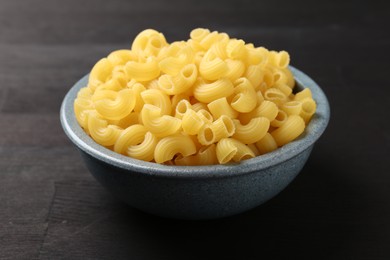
x: 51, y: 207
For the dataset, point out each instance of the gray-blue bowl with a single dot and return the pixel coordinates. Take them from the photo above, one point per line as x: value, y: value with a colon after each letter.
x: 197, y: 192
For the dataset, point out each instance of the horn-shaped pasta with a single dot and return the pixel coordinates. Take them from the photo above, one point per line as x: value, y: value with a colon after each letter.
x: 212, y: 67
x: 308, y: 109
x: 256, y: 56
x: 101, y: 132
x: 82, y: 106
x: 118, y: 108
x: 173, y: 85
x: 170, y: 146
x: 236, y: 69
x: 230, y: 149
x: 132, y: 135
x: 280, y: 119
x: 192, y: 122
x: 221, y: 107
x: 145, y: 150
x: 121, y: 57
x: 266, y: 144
x: 205, y: 156
x: 100, y: 73
x: 142, y: 71
x: 173, y: 64
x: 199, y: 34
x: 222, y: 127
x: 253, y: 131
x: 292, y: 107
x: 290, y: 130
x: 235, y: 49
x: 157, y: 123
x: 245, y: 98
x: 182, y: 107
x: 157, y: 98
x: 141, y: 41
x: 275, y: 95
x: 255, y: 74
x: 208, y: 92
x: 279, y: 59
x: 266, y: 109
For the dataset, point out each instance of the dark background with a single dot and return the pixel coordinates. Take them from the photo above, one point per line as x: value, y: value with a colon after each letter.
x: 51, y: 207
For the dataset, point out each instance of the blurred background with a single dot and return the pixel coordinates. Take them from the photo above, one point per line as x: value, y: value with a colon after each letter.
x: 51, y: 207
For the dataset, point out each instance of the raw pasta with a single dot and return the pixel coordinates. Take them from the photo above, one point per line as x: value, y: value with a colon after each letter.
x: 211, y: 99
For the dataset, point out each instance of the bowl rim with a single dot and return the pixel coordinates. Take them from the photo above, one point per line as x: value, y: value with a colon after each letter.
x: 312, y: 132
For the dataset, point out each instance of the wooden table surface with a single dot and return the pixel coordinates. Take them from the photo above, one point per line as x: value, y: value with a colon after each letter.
x: 52, y: 208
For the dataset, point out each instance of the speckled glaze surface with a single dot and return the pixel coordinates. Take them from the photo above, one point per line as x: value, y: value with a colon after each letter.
x: 197, y: 192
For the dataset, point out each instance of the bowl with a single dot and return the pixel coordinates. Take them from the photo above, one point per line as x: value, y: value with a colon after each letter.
x: 197, y: 192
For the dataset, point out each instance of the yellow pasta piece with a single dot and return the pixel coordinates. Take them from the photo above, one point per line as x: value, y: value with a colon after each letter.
x: 182, y: 107
x: 308, y: 109
x: 121, y: 57
x: 235, y: 49
x: 230, y: 149
x: 275, y: 95
x: 100, y: 73
x: 170, y: 146
x: 212, y: 67
x: 221, y: 107
x: 143, y: 71
x: 199, y: 34
x: 266, y: 144
x: 280, y: 119
x: 82, y: 106
x: 192, y: 122
x: 208, y: 92
x: 157, y: 98
x: 173, y: 85
x: 292, y: 107
x: 118, y: 108
x: 235, y: 69
x: 266, y: 109
x: 306, y: 93
x: 255, y: 74
x: 132, y: 135
x: 157, y: 123
x: 143, y: 39
x: 245, y: 99
x: 279, y: 59
x: 223, y: 127
x: 205, y: 156
x: 145, y: 150
x: 291, y: 129
x: 101, y: 132
x: 251, y: 132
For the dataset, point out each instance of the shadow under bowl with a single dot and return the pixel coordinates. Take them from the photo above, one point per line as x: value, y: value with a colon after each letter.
x: 197, y: 192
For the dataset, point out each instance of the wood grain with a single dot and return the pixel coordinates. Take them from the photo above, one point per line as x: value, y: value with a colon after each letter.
x: 52, y: 208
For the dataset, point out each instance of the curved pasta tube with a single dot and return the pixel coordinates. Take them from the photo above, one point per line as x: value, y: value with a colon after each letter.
x: 100, y: 73
x: 115, y: 84
x: 157, y: 123
x: 138, y: 88
x: 104, y: 94
x: 207, y: 92
x: 175, y: 99
x: 266, y: 144
x: 275, y: 95
x: 145, y: 150
x: 182, y: 108
x: 157, y: 98
x: 85, y: 92
x: 279, y: 59
x: 256, y: 56
x: 118, y: 108
x: 205, y: 116
x: 199, y: 34
x: 236, y: 69
x: 235, y: 49
x: 82, y: 106
x: 309, y: 107
x: 142, y: 39
x: 230, y: 149
x: 131, y: 119
x: 222, y: 127
x: 221, y: 107
x: 255, y: 74
x: 121, y: 57
x: 292, y: 107
x: 266, y: 109
x: 132, y: 135
x: 245, y: 98
x: 173, y: 85
x: 205, y: 156
x: 101, y: 132
x: 284, y: 88
x: 290, y: 130
x: 192, y: 122
x: 212, y: 67
x: 172, y: 65
x: 306, y: 93
x: 142, y: 71
x: 253, y: 131
x: 170, y: 146
x: 280, y: 119
x: 198, y: 106
x: 206, y: 135
x: 219, y: 49
x: 209, y: 40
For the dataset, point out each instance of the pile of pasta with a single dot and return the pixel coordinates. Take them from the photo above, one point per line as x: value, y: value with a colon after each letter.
x: 208, y: 100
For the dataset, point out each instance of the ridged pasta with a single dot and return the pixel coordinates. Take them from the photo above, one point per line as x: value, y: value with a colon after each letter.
x: 211, y: 99
x: 170, y: 146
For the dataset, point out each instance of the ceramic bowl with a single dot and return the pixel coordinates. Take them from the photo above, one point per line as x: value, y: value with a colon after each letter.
x: 197, y: 192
